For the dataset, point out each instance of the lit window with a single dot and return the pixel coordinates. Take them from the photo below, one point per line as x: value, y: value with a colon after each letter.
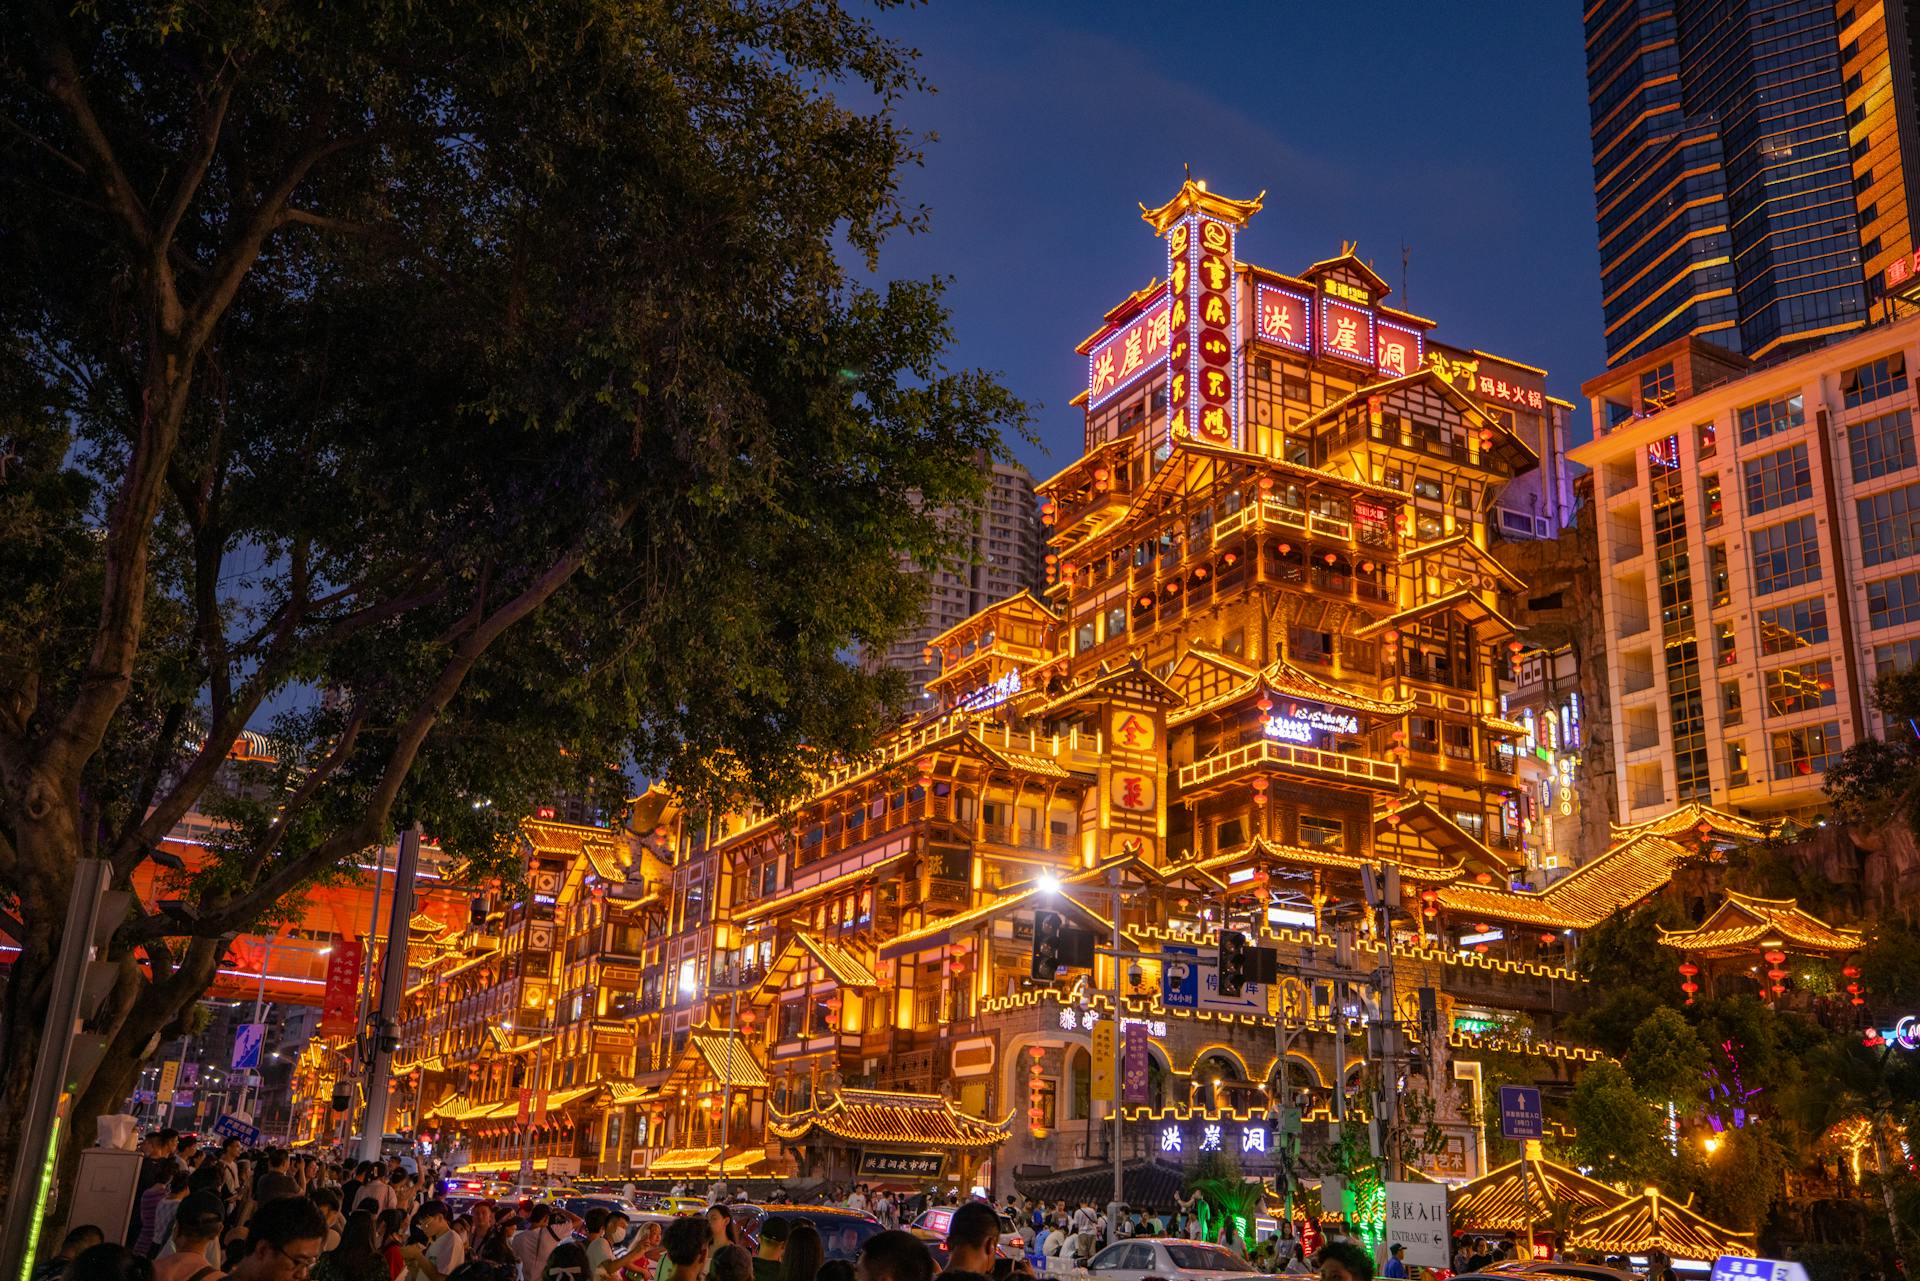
x: 1799, y: 688
x: 1877, y: 378
x: 1798, y: 753
x: 1785, y: 555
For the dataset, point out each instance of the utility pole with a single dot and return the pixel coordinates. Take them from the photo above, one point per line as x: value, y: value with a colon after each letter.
x: 354, y: 1061
x: 248, y: 1088
x: 393, y: 978
x: 1119, y: 1030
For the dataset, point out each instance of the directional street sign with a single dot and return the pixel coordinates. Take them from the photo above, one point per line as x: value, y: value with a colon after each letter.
x: 1520, y: 1113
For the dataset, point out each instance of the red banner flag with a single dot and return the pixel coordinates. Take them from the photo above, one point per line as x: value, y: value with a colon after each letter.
x: 340, y: 1008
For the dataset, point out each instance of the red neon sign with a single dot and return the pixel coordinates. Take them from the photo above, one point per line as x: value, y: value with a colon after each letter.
x: 1399, y: 350
x: 1346, y: 332
x: 1118, y: 360
x: 1284, y: 317
x: 1491, y: 387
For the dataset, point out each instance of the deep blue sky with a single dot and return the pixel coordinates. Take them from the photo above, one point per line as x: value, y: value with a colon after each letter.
x: 1460, y: 130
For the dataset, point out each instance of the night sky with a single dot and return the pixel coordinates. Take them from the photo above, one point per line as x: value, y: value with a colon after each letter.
x: 1460, y: 130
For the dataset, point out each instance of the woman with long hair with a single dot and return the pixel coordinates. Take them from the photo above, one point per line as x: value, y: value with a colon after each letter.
x: 390, y: 1238
x: 358, y: 1256
x: 804, y: 1254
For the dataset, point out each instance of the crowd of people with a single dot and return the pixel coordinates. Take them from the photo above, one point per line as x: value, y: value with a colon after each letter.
x: 221, y: 1212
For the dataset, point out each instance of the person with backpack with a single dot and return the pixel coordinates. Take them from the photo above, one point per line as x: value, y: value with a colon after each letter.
x: 189, y: 1255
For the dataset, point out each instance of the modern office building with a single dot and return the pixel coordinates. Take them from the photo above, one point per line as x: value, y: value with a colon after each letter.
x: 1880, y: 68
x: 1005, y: 550
x: 1759, y: 533
x: 1723, y: 174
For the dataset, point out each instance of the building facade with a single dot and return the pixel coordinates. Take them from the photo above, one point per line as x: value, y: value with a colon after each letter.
x: 1268, y: 655
x: 1880, y: 66
x: 1757, y: 546
x: 1724, y: 174
x: 1004, y: 549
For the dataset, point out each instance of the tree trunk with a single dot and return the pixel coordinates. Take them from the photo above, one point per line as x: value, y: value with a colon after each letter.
x: 29, y: 980
x: 1885, y: 1166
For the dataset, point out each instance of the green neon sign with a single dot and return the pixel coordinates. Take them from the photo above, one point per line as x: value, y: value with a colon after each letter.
x: 40, y: 1200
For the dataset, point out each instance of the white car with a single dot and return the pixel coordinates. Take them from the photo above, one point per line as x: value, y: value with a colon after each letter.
x: 933, y: 1225
x: 1163, y: 1257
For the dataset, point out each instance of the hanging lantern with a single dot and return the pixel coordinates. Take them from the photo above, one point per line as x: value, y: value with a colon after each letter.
x: 1481, y: 948
x: 1546, y: 940
x: 1366, y: 567
x: 1515, y: 647
x: 1777, y: 989
x: 1036, y: 1053
x: 1481, y: 927
x: 1145, y: 601
x: 1330, y: 558
x: 1231, y: 558
x: 1853, y: 989
x: 1485, y: 878
x: 1689, y: 969
x: 1264, y: 703
x: 1052, y: 559
x: 1066, y: 568
x: 1776, y: 974
x: 1851, y: 971
x: 1775, y: 957
x: 1430, y: 911
x: 1286, y: 549
x: 1173, y: 587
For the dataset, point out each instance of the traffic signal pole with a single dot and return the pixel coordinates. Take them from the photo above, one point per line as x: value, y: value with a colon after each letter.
x: 393, y: 979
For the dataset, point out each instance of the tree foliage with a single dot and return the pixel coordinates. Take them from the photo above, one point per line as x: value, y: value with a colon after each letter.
x: 1878, y: 780
x: 491, y: 371
x: 1629, y: 974
x: 1618, y: 1132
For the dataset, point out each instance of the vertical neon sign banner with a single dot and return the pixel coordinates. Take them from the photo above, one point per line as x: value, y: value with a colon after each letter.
x: 1202, y: 377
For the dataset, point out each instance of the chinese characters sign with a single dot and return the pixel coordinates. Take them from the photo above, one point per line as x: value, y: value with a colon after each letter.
x: 1134, y: 1085
x: 1399, y: 349
x: 1903, y: 273
x: 340, y: 1007
x: 1118, y: 361
x: 1250, y: 1141
x: 1202, y: 400
x: 1492, y: 387
x: 1284, y: 317
x: 1346, y: 332
x: 918, y: 1165
x: 1302, y: 723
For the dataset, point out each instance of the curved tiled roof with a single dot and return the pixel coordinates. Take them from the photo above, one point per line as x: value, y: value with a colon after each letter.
x: 890, y: 1116
x: 1742, y: 921
x: 1619, y: 878
x: 1513, y: 1197
x: 1651, y: 1221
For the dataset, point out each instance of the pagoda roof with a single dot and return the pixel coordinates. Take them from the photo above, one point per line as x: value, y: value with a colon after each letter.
x: 1432, y: 823
x: 891, y: 1117
x: 1465, y: 542
x: 1466, y: 602
x: 1618, y: 878
x: 421, y: 923
x: 1284, y: 678
x: 1349, y: 258
x: 1123, y: 311
x: 600, y: 847
x: 1741, y: 923
x: 727, y: 1058
x: 1194, y: 197
x: 1023, y: 603
x: 1651, y: 1221
x: 1515, y: 1196
x: 1260, y: 849
x: 1687, y: 820
x: 941, y: 932
x: 1133, y: 672
x: 684, y: 1161
x: 1521, y: 456
x: 841, y: 965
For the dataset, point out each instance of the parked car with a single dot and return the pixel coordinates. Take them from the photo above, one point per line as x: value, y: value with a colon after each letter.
x: 1579, y: 1271
x: 934, y: 1224
x: 1162, y: 1257
x: 842, y: 1231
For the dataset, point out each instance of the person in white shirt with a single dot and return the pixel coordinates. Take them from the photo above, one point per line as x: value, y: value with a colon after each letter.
x: 546, y: 1228
x: 377, y: 1189
x: 857, y: 1200
x: 445, y: 1249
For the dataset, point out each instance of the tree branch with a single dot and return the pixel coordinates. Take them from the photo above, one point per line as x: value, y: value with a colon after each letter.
x: 206, y: 144
x: 65, y: 87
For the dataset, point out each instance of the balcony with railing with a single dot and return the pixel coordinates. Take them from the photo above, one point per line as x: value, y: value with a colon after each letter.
x: 1264, y: 754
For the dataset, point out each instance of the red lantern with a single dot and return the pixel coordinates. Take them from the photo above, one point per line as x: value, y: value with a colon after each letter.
x: 1546, y: 940
x: 1689, y: 969
x: 1230, y: 558
x: 1285, y: 548
x: 1266, y: 486
x: 1036, y: 1053
x: 1480, y: 948
x: 1851, y: 971
x: 1329, y: 558
x: 1776, y: 974
x: 1774, y: 957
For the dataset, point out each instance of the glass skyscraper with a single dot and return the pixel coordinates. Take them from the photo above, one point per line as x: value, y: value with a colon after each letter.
x: 1723, y: 183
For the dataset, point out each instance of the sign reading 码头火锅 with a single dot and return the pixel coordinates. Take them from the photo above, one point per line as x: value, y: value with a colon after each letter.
x: 912, y: 1165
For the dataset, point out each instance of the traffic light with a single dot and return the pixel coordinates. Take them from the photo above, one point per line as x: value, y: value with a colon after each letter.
x: 1047, y: 927
x: 1233, y: 963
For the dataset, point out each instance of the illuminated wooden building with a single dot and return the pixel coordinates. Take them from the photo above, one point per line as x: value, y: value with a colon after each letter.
x: 1269, y: 654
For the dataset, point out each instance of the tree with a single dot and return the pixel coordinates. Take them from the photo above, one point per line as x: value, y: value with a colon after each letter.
x: 1846, y: 1078
x: 1629, y: 974
x: 1878, y: 780
x: 1617, y: 1130
x: 1666, y: 1061
x: 493, y: 371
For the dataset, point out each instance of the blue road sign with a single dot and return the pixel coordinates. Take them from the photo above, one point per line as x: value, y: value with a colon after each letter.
x: 232, y: 1127
x: 1520, y: 1114
x: 1180, y: 978
x: 246, y: 1045
x: 1730, y: 1267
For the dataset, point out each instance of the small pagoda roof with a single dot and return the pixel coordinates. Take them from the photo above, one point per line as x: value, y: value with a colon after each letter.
x: 1194, y: 197
x: 1349, y: 259
x: 600, y: 847
x: 832, y: 885
x: 945, y: 930
x: 1688, y: 821
x: 841, y: 965
x: 1123, y: 311
x: 1284, y: 678
x: 884, y: 1117
x: 1651, y: 1221
x: 728, y: 1058
x: 1131, y: 676
x: 1741, y: 923
x: 1261, y: 850
x: 1618, y: 878
x: 1515, y: 1196
x: 1465, y: 542
x: 1520, y: 455
x: 1465, y: 602
x: 1023, y: 605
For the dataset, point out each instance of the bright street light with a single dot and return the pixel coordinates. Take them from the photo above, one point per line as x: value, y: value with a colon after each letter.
x: 1048, y: 883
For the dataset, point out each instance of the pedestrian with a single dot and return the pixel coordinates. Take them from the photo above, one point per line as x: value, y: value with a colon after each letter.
x: 445, y: 1249
x: 81, y: 1238
x: 804, y: 1254
x: 356, y: 1256
x: 1344, y: 1261
x: 390, y: 1229
x: 1396, y: 1261
x: 771, y: 1246
x: 568, y: 1262
x: 329, y: 1202
x: 109, y: 1261
x: 546, y: 1229
x: 973, y: 1238
x: 283, y: 1233
x: 895, y: 1255
x: 688, y: 1242
x: 730, y: 1263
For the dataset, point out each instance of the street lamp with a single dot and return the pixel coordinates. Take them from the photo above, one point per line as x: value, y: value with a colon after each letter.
x: 1047, y: 883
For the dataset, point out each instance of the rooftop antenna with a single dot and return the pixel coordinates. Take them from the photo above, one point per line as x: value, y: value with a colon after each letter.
x: 1405, y: 253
